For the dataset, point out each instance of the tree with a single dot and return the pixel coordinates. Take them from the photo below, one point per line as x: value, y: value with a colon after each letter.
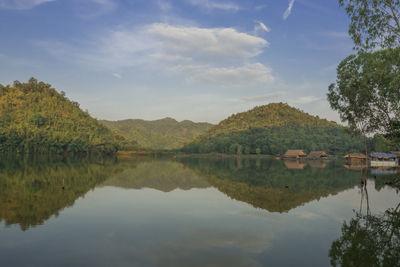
x: 367, y: 91
x: 374, y: 23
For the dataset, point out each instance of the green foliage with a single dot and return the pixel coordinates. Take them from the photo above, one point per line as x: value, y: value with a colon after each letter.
x: 273, y: 129
x: 367, y: 92
x: 159, y: 134
x: 374, y: 23
x: 35, y: 118
x: 369, y: 240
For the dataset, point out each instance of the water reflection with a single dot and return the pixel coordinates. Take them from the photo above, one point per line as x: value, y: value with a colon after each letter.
x: 161, y: 175
x: 152, y: 212
x: 274, y: 185
x: 31, y: 189
x: 369, y: 240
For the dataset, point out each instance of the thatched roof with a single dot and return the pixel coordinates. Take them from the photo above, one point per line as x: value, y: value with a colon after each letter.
x: 294, y: 154
x: 318, y: 154
x: 355, y: 156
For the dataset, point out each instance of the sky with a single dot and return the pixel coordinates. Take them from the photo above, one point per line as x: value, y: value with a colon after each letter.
x: 201, y: 60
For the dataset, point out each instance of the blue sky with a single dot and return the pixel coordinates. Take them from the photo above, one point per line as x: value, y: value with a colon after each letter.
x: 188, y: 59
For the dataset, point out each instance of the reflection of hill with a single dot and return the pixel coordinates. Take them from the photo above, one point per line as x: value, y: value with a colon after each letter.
x: 31, y: 190
x: 161, y: 175
x: 269, y: 185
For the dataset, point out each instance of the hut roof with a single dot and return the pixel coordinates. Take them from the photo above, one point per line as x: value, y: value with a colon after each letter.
x: 317, y: 154
x: 294, y: 154
x: 397, y: 153
x: 355, y: 156
x: 383, y: 155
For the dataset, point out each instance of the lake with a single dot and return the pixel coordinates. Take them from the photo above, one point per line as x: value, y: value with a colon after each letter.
x: 195, y: 211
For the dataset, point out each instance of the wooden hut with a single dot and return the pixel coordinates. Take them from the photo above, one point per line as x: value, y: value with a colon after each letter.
x: 318, y: 155
x: 384, y: 160
x: 294, y: 154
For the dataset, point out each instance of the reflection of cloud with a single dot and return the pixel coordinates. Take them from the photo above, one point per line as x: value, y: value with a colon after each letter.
x: 307, y: 215
x: 263, y: 215
x: 22, y: 4
x: 204, y: 247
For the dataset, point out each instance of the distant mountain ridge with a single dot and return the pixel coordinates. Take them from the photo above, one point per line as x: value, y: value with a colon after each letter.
x: 160, y: 134
x: 272, y: 129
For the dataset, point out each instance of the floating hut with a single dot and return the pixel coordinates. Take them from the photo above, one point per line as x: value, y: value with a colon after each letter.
x: 318, y: 155
x: 294, y: 154
x: 384, y: 160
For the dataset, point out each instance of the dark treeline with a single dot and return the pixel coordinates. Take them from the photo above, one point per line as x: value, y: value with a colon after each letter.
x: 276, y: 140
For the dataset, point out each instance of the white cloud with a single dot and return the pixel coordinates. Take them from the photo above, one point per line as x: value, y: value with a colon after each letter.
x: 288, y: 10
x: 209, y: 4
x: 22, y: 4
x: 207, y: 44
x: 248, y: 74
x: 117, y: 75
x: 261, y: 27
x: 164, y: 5
x: 260, y: 7
x: 93, y: 8
x: 305, y: 99
x: 262, y: 98
x: 197, y: 55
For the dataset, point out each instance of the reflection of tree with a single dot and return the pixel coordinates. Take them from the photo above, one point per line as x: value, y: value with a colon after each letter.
x: 31, y: 189
x: 369, y: 240
x: 364, y: 191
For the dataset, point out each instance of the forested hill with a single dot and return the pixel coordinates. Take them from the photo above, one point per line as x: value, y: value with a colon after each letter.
x: 161, y: 134
x: 272, y: 129
x: 34, y: 118
x: 271, y: 115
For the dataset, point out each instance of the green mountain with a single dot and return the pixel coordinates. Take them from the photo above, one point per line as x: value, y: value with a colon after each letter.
x: 161, y: 134
x: 34, y: 118
x: 272, y: 129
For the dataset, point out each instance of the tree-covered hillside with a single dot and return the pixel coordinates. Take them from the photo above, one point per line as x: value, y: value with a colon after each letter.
x: 161, y: 134
x: 273, y: 129
x: 35, y: 118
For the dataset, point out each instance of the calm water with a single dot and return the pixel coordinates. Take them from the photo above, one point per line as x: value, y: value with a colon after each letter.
x: 194, y: 212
